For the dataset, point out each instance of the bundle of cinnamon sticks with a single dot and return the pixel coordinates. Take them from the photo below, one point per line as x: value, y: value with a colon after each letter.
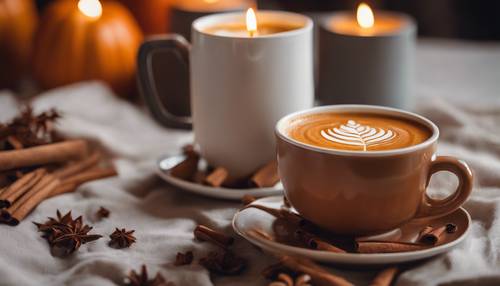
x: 46, y: 171
x: 266, y: 176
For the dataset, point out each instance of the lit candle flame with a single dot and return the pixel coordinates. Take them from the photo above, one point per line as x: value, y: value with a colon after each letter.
x: 365, y: 16
x: 90, y: 8
x: 210, y: 1
x: 251, y: 22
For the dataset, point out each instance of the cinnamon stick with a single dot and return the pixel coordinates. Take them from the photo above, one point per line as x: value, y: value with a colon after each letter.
x: 62, y: 189
x: 91, y: 175
x: 385, y: 277
x: 387, y: 246
x: 44, y: 154
x: 78, y: 166
x: 319, y: 275
x: 22, y: 207
x: 187, y: 168
x: 20, y: 187
x: 267, y: 176
x: 430, y: 235
x: 204, y: 233
x: 317, y: 243
x: 217, y: 177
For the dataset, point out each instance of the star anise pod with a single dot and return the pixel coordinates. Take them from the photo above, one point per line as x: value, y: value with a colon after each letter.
x: 224, y: 262
x: 142, y: 279
x: 30, y: 129
x: 122, y: 238
x: 65, y: 235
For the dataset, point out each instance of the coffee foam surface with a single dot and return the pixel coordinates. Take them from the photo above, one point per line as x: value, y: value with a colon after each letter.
x: 357, y: 131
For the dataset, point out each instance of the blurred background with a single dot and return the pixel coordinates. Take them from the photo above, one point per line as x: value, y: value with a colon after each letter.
x: 50, y: 43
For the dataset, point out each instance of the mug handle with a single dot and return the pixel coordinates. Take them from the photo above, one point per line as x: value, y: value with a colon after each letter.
x: 178, y: 46
x: 440, y: 207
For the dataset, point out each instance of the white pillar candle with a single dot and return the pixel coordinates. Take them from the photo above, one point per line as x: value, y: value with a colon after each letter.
x: 367, y: 58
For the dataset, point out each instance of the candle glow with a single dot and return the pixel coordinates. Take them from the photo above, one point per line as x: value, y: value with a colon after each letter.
x: 90, y: 8
x: 365, y: 16
x: 251, y: 22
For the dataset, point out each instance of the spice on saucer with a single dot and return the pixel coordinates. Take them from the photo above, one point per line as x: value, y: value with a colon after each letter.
x: 431, y: 235
x: 267, y: 176
x: 216, y: 178
x: 451, y: 228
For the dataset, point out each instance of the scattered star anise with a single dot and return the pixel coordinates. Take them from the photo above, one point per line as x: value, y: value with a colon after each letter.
x: 65, y: 235
x: 29, y: 129
x: 184, y: 258
x: 224, y: 262
x: 142, y: 279
x: 103, y: 213
x: 122, y: 238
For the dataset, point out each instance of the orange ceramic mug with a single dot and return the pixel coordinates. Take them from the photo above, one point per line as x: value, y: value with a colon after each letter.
x: 357, y: 192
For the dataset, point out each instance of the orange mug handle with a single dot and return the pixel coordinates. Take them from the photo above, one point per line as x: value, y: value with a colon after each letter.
x: 440, y: 207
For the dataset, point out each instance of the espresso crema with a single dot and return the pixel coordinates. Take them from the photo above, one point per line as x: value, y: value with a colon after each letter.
x: 357, y: 131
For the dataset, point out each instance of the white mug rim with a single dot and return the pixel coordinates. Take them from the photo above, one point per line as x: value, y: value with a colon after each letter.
x: 375, y: 109
x: 308, y: 24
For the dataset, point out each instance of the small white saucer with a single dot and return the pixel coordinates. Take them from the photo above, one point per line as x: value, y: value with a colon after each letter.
x: 253, y: 218
x: 166, y: 163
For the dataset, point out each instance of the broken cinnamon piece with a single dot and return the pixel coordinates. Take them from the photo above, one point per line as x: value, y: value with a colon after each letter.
x: 267, y: 176
x: 183, y: 258
x: 22, y: 207
x: 319, y: 275
x: 247, y: 199
x: 44, y: 154
x: 91, y: 175
x: 430, y: 235
x: 217, y: 177
x: 78, y: 166
x: 20, y: 187
x: 316, y: 243
x: 387, y: 246
x: 204, y: 233
x: 187, y: 168
x: 451, y: 228
x: 385, y: 277
x: 15, y: 143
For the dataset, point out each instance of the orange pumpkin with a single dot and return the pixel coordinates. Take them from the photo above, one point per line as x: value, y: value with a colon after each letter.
x: 17, y: 23
x: 72, y: 44
x: 152, y: 15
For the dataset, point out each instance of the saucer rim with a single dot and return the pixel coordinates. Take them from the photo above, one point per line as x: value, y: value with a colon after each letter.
x: 213, y: 192
x: 351, y: 258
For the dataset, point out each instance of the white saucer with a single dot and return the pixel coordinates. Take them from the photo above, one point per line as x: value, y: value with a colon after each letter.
x: 165, y: 163
x: 252, y: 218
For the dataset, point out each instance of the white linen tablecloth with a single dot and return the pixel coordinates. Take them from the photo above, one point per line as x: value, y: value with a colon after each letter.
x: 164, y: 217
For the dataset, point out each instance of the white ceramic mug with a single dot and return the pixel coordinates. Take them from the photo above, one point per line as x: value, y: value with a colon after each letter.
x: 240, y: 86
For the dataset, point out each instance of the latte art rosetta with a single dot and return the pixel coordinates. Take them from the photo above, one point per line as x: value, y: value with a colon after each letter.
x: 363, y: 132
x: 356, y: 134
